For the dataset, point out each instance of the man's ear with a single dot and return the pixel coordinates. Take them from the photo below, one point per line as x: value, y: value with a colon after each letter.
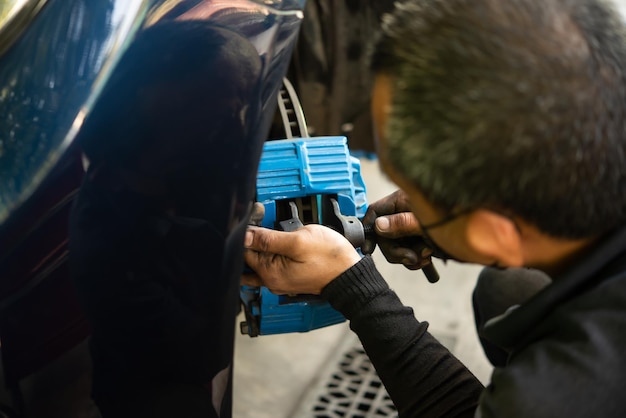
x: 496, y: 237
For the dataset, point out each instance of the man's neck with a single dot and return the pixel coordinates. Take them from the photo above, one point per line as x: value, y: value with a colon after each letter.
x: 555, y: 255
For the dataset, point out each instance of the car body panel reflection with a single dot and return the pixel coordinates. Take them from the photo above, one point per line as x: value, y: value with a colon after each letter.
x: 172, y: 136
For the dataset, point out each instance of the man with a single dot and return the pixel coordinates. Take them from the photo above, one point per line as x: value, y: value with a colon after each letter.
x: 503, y: 124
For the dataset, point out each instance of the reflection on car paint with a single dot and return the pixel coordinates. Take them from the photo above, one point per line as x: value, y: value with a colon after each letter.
x: 62, y: 91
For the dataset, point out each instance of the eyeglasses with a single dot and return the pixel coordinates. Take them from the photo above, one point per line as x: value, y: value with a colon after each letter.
x: 437, y: 251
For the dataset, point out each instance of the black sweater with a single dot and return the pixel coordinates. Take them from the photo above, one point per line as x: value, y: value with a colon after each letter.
x: 567, y: 344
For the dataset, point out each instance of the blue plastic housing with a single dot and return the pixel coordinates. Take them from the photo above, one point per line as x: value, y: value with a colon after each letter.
x: 291, y: 168
x: 297, y: 168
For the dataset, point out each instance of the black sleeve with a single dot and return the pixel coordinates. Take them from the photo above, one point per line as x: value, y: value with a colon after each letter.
x: 422, y: 377
x: 574, y: 366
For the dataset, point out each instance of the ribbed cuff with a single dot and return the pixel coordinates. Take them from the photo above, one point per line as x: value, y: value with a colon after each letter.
x: 355, y: 287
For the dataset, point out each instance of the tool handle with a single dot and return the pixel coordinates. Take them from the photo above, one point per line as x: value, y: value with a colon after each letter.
x: 431, y: 273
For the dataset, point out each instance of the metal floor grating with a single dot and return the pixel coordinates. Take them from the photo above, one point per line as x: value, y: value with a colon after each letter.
x: 349, y: 386
x: 354, y: 391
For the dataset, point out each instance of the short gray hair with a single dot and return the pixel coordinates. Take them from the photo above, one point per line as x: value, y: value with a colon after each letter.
x: 518, y: 106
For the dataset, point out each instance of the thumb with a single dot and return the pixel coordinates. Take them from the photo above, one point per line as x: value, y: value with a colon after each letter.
x: 270, y: 240
x: 257, y: 214
x: 398, y: 225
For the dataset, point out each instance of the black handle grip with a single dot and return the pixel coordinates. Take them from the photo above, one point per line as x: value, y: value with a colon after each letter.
x: 431, y: 273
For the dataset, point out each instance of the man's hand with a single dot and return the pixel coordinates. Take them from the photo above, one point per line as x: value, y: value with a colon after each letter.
x: 397, y: 232
x: 302, y: 261
x: 257, y: 213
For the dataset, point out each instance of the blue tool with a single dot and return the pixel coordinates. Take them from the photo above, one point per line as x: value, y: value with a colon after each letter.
x: 302, y: 181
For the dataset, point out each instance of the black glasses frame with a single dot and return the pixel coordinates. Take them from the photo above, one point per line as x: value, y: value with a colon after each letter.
x: 437, y: 251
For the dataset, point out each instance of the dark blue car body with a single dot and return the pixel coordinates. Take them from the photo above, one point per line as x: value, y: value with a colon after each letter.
x: 68, y: 104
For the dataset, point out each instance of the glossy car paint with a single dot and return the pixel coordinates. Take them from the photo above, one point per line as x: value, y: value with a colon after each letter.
x: 51, y: 81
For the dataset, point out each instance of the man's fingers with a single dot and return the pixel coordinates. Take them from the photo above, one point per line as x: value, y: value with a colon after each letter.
x: 270, y: 240
x: 420, y: 265
x: 393, y: 203
x: 257, y: 214
x: 398, y: 225
x: 251, y: 279
x: 401, y: 255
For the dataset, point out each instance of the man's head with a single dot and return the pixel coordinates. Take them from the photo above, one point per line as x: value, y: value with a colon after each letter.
x: 517, y: 108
